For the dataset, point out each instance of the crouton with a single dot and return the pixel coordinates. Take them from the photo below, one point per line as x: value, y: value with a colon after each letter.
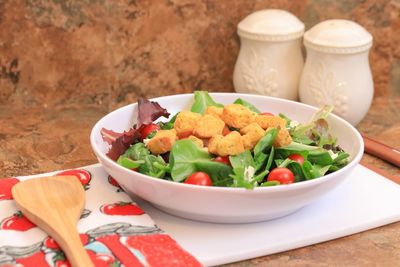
x: 207, y: 126
x: 215, y: 111
x: 251, y: 134
x: 266, y: 121
x: 198, y: 141
x: 213, y: 143
x: 228, y: 145
x: 283, y: 138
x: 237, y: 116
x: 162, y: 142
x: 185, y: 123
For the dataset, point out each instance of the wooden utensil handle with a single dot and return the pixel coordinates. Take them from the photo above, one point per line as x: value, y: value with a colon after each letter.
x: 72, y: 246
x: 382, y: 151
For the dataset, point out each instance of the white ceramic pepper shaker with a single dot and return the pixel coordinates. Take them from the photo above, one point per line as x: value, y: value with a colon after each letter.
x: 270, y: 60
x: 337, y: 70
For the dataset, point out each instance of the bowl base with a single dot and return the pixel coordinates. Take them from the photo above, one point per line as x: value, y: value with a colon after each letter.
x: 225, y: 219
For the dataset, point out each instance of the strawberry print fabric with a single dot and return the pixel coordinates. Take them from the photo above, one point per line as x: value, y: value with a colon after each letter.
x: 114, y: 230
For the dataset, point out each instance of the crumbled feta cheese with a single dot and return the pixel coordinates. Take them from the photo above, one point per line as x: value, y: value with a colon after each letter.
x: 249, y: 173
x: 146, y: 141
x: 293, y: 124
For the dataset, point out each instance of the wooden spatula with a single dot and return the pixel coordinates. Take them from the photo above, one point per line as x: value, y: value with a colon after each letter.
x: 55, y: 205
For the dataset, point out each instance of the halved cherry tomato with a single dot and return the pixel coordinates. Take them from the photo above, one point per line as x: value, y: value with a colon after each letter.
x: 199, y: 178
x: 224, y: 160
x: 282, y: 175
x: 297, y: 157
x: 148, y: 129
x: 267, y: 114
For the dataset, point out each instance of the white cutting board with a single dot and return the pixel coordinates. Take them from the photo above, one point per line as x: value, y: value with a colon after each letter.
x: 365, y: 200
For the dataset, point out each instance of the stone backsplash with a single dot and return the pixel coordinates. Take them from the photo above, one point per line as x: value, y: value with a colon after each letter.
x: 109, y: 52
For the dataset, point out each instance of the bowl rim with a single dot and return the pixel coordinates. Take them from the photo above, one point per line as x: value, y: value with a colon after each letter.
x: 289, y: 187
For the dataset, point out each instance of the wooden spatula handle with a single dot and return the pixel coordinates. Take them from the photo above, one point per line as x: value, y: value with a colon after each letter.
x: 72, y: 246
x: 67, y: 237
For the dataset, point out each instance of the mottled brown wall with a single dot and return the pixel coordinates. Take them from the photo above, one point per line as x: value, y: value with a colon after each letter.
x: 109, y: 52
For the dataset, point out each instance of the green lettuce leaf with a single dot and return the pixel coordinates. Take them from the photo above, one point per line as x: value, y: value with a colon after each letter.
x: 202, y: 100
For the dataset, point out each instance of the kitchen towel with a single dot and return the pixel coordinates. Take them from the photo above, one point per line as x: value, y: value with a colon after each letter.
x: 114, y: 230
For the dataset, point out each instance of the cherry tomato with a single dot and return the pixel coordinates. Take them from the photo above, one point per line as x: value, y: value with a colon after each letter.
x: 297, y: 157
x: 268, y: 114
x: 282, y: 175
x: 224, y: 160
x: 148, y: 129
x: 199, y: 178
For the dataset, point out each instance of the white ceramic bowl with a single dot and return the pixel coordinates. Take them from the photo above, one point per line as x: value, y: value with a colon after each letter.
x: 221, y: 204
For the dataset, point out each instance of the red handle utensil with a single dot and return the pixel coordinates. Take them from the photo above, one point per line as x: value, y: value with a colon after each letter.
x: 382, y: 151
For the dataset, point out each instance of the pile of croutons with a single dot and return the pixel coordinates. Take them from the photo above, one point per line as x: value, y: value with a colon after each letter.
x: 213, y: 130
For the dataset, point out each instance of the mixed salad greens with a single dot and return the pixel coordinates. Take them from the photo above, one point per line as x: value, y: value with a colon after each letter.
x: 312, y: 152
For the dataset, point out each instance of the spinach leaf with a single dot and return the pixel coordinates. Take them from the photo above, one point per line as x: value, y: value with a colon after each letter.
x: 186, y: 158
x: 270, y: 158
x: 260, y: 160
x: 138, y: 156
x: 261, y: 155
x: 129, y: 163
x: 297, y: 171
x: 313, y: 154
x: 283, y: 163
x: 137, y: 151
x: 202, y: 100
x: 314, y: 171
x: 247, y: 105
x: 244, y: 171
x: 170, y: 124
x: 150, y: 168
x: 266, y: 142
x: 309, y: 171
x: 341, y: 158
x: 339, y: 162
x: 270, y: 183
x: 296, y: 147
x: 244, y: 159
x: 320, y: 156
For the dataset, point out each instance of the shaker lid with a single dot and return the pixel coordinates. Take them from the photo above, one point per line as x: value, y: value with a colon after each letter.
x: 271, y: 25
x: 338, y: 36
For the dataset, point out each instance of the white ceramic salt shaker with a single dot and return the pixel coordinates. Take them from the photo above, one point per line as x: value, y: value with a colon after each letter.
x: 337, y: 70
x: 270, y: 60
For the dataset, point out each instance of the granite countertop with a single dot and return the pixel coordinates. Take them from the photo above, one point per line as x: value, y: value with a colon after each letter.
x: 43, y: 139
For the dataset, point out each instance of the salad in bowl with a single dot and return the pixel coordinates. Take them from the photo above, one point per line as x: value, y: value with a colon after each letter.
x: 232, y: 145
x: 226, y: 157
